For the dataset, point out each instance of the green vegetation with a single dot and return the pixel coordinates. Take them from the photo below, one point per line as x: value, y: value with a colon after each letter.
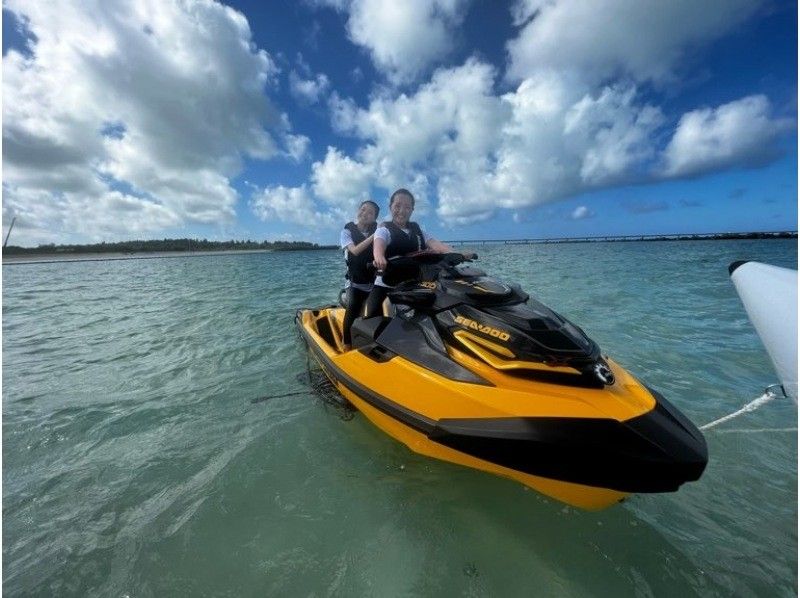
x: 163, y: 245
x: 197, y: 245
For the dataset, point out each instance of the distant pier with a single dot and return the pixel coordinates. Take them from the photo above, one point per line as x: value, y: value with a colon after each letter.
x: 622, y: 238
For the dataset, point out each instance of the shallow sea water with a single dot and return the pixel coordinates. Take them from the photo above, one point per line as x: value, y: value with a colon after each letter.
x: 135, y: 462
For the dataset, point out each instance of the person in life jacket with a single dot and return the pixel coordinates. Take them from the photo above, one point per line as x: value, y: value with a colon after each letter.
x: 399, y: 236
x: 356, y: 240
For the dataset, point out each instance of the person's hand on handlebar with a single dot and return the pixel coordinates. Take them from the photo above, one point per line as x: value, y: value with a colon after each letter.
x: 380, y: 263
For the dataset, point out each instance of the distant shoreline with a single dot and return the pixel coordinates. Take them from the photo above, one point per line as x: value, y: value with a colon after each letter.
x: 149, y: 248
x: 50, y: 258
x: 59, y: 254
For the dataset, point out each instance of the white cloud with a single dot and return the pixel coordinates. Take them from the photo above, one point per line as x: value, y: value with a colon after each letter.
x: 403, y: 38
x: 338, y: 184
x: 739, y: 133
x: 340, y: 5
x: 291, y: 204
x: 554, y: 136
x: 523, y: 10
x: 297, y: 146
x: 341, y: 181
x: 308, y: 91
x: 446, y: 130
x: 302, y: 65
x: 549, y: 138
x: 581, y: 213
x: 74, y: 217
x: 613, y: 131
x: 134, y: 117
x: 457, y: 106
x: 147, y: 106
x: 420, y: 187
x: 628, y: 38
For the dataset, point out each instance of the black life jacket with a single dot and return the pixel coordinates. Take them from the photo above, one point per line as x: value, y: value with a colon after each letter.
x: 357, y: 270
x: 401, y: 244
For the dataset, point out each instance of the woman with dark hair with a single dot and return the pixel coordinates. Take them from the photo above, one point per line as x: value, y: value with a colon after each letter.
x: 356, y: 240
x: 398, y: 236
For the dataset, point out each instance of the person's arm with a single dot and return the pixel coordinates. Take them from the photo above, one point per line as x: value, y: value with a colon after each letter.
x: 380, y: 242
x: 440, y: 247
x: 357, y: 249
x: 379, y: 253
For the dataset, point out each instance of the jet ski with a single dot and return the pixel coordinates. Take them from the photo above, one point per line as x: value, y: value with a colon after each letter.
x: 471, y: 370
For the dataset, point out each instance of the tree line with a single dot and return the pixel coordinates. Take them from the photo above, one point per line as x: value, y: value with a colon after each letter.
x: 158, y: 245
x: 164, y: 245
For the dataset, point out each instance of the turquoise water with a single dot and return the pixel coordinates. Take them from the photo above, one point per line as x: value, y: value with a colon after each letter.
x: 136, y: 464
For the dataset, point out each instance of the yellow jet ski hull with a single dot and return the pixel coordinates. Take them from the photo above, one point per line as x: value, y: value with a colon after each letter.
x: 493, y: 420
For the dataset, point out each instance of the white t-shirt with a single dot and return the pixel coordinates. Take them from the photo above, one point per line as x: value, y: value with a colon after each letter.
x: 345, y: 238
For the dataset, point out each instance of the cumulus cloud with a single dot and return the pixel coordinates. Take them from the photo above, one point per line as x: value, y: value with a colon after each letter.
x: 290, y: 204
x: 43, y: 217
x: 551, y: 137
x: 581, y: 213
x: 308, y: 91
x: 143, y: 113
x: 523, y: 10
x: 576, y: 120
x: 403, y: 38
x: 457, y: 104
x: 297, y: 146
x: 645, y: 41
x: 739, y: 133
x: 341, y: 181
x: 131, y: 117
x: 338, y: 184
x: 448, y: 128
x: 615, y: 132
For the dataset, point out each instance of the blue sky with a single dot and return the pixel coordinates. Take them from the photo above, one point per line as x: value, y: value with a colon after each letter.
x: 533, y: 118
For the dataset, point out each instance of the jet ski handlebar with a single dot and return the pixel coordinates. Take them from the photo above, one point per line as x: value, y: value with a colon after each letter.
x: 428, y: 258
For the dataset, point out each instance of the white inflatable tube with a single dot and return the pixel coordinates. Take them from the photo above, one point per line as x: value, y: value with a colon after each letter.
x: 769, y: 294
